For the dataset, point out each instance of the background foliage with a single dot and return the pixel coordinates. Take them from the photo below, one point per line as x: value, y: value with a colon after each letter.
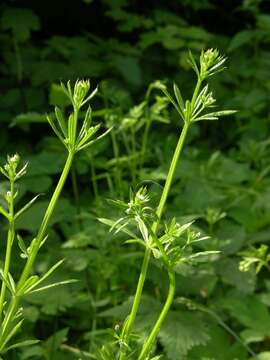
x: 223, y: 179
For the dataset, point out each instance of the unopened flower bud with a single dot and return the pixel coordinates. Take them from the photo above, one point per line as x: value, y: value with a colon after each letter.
x: 14, y: 159
x: 210, y: 62
x: 81, y: 89
x: 8, y: 197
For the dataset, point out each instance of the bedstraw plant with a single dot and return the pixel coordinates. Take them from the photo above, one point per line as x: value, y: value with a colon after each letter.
x: 74, y: 137
x: 170, y: 243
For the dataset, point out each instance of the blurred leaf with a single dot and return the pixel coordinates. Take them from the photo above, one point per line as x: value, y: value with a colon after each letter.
x: 57, y: 96
x: 20, y: 21
x: 28, y: 118
x: 219, y: 347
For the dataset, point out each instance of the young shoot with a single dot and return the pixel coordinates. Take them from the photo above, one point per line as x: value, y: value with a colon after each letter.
x: 167, y: 247
x: 75, y: 137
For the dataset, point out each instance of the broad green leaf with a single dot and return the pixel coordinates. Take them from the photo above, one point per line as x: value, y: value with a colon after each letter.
x: 178, y: 336
x: 250, y: 312
x: 219, y: 347
x: 21, y: 22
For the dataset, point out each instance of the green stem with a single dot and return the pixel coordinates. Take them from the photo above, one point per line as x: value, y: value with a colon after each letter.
x: 159, y: 212
x: 194, y: 97
x: 170, y: 175
x: 13, y: 306
x: 43, y: 227
x: 136, y: 302
x: 151, y: 338
x: 10, y: 239
x: 147, y: 254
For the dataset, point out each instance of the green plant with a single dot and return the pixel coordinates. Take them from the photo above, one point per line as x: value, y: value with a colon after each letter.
x: 163, y: 244
x: 74, y: 138
x: 257, y: 257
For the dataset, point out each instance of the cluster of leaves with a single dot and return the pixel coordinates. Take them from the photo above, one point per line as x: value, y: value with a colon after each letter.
x: 226, y: 191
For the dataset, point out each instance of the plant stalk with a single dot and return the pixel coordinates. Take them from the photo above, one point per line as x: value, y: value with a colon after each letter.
x: 35, y: 248
x: 45, y: 221
x: 147, y: 254
x: 10, y: 239
x: 151, y: 338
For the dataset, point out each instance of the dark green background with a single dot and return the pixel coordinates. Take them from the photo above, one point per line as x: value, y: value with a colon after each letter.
x: 123, y: 46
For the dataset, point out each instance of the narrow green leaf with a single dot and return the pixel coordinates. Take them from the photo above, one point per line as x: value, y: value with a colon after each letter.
x: 111, y: 223
x: 198, y: 101
x: 4, y: 212
x: 23, y: 344
x: 12, y: 332
x: 29, y: 283
x: 26, y: 207
x: 46, y: 275
x: 90, y: 96
x: 70, y: 126
x: 12, y: 283
x: 178, y: 96
x: 22, y: 245
x: 136, y: 241
x: 215, y: 115
x: 71, y: 281
x: 61, y: 120
x: 88, y: 134
x: 93, y: 141
x: 199, y: 256
x: 193, y: 64
x: 4, y: 172
x: 6, y: 282
x: 56, y: 131
x: 66, y: 91
x: 22, y: 172
x: 86, y: 124
x: 143, y: 229
x: 178, y: 109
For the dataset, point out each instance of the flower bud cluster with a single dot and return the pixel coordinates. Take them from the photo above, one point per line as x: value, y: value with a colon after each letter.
x: 210, y: 63
x: 137, y: 202
x: 9, y: 170
x: 81, y: 89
